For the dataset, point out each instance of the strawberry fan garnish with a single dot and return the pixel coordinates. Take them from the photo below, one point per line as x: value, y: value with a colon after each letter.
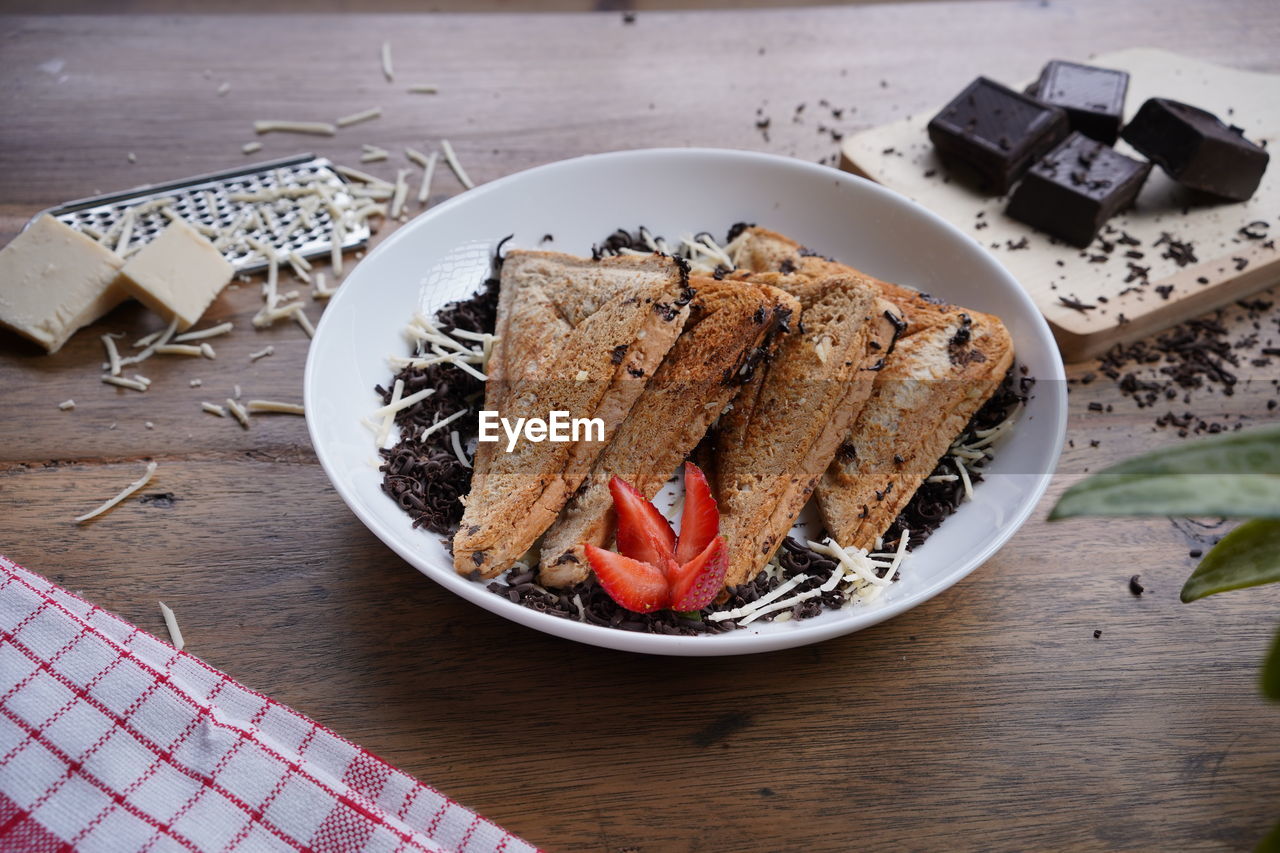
x: 655, y: 570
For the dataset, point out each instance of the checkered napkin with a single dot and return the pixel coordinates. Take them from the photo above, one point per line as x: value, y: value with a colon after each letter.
x: 111, y: 740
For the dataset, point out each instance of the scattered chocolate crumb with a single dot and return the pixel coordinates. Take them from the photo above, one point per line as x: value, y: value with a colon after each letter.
x: 1135, y: 587
x: 1076, y: 304
x: 1097, y: 634
x: 1195, y: 553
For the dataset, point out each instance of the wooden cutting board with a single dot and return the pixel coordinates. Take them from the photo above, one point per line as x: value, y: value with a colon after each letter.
x: 1126, y: 303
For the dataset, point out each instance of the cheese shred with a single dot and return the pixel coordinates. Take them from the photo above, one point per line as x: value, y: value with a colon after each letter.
x: 171, y: 624
x: 124, y: 493
x: 275, y: 406
x: 315, y: 128
x: 452, y: 159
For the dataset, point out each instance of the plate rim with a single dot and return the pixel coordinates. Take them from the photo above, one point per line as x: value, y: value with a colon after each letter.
x: 730, y: 643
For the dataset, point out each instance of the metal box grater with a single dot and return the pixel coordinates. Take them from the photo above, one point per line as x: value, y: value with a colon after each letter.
x: 206, y: 202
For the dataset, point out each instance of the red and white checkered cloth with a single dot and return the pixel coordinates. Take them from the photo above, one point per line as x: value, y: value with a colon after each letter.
x: 111, y: 740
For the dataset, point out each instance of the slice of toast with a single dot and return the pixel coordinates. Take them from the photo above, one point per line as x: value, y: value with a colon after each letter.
x: 785, y: 426
x: 578, y: 336
x: 759, y: 250
x: 929, y: 389
x: 725, y: 334
x: 946, y: 362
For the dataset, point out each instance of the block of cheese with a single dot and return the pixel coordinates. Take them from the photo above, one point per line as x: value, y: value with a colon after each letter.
x: 53, y: 280
x: 177, y: 274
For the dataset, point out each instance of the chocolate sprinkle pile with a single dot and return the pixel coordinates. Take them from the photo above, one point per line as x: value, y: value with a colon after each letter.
x: 426, y: 478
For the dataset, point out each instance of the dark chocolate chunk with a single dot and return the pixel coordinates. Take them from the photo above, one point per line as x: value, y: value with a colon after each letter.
x: 1076, y: 188
x: 1196, y: 149
x: 996, y: 131
x: 1093, y: 97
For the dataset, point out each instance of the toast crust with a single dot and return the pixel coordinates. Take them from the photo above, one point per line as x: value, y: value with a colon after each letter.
x: 580, y: 336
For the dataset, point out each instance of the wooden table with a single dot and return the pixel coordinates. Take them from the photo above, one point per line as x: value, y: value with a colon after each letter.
x: 988, y: 718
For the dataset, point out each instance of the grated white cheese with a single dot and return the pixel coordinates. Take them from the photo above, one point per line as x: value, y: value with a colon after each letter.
x: 126, y: 231
x: 316, y: 128
x: 388, y: 417
x: 387, y: 70
x: 779, y: 605
x: 262, y: 353
x: 753, y: 606
x: 441, y: 424
x: 359, y: 176
x: 401, y: 190
x: 201, y: 334
x: 320, y: 291
x: 149, y: 425
x: 113, y: 354
x: 224, y: 88
x: 206, y: 350
x: 195, y: 383
x: 397, y: 404
x: 335, y: 251
x: 238, y: 411
x: 125, y: 383
x: 237, y: 391
x: 964, y: 478
x: 124, y: 493
x: 428, y: 173
x: 275, y: 406
x: 132, y: 158
x: 67, y: 405
x: 178, y: 349
x: 138, y: 377
x: 300, y: 318
x: 251, y: 147
x: 452, y: 160
x: 152, y: 342
x: 171, y: 624
x: 214, y: 409
x: 457, y: 448
x: 364, y: 115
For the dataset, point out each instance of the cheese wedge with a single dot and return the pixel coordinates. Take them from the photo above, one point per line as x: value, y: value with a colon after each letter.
x: 54, y: 280
x: 178, y: 274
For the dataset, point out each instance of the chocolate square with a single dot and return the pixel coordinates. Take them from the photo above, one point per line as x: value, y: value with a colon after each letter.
x: 996, y: 131
x: 1196, y: 149
x: 1076, y: 188
x: 1093, y: 97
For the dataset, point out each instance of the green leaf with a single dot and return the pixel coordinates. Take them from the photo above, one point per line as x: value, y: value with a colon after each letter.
x: 1247, y: 556
x: 1235, y: 475
x: 1271, y: 679
x: 1271, y: 843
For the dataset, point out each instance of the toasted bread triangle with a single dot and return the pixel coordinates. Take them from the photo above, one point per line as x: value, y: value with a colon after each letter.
x: 785, y: 427
x: 577, y: 336
x: 931, y: 385
x: 728, y: 323
x: 929, y: 389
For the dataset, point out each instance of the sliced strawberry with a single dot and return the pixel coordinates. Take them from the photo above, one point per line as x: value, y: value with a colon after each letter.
x: 637, y: 586
x: 643, y: 532
x: 700, y: 521
x: 697, y: 582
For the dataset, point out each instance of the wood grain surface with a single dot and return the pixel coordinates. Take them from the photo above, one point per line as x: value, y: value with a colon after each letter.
x: 988, y: 718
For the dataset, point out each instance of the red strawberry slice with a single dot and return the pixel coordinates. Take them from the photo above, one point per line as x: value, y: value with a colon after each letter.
x: 637, y: 586
x: 700, y: 521
x: 697, y: 582
x: 643, y: 533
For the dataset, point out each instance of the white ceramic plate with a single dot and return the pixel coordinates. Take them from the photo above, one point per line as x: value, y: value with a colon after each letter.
x: 443, y: 255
